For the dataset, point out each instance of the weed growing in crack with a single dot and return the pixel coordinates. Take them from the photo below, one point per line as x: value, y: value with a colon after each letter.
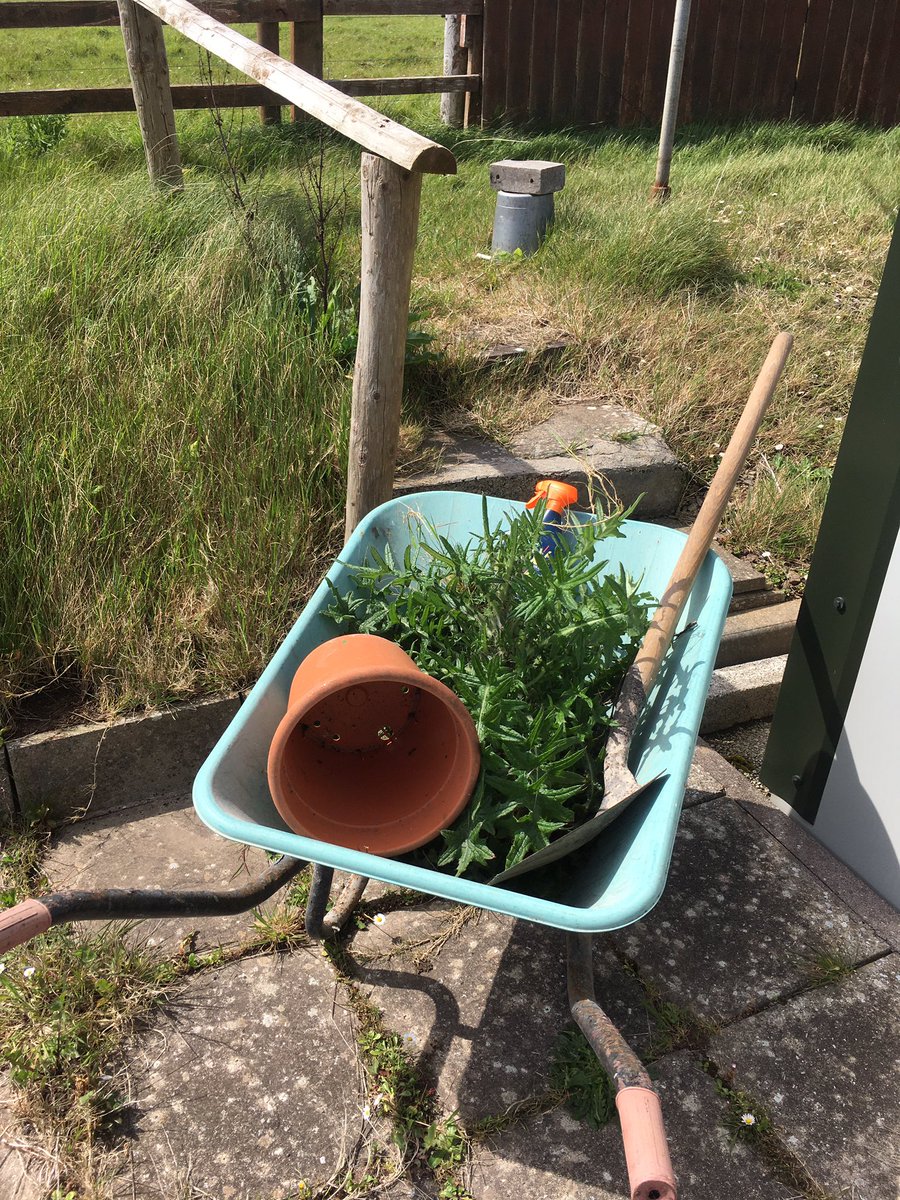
x: 675, y: 1027
x: 827, y: 967
x: 749, y: 1119
x: 580, y: 1077
x: 67, y: 1004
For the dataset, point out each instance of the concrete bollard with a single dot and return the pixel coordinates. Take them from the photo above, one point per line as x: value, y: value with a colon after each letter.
x: 525, y: 203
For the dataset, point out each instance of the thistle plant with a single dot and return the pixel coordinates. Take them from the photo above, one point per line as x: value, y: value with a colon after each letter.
x: 535, y: 646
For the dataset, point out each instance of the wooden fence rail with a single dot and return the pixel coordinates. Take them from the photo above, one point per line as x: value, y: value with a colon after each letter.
x: 305, y: 18
x: 604, y: 61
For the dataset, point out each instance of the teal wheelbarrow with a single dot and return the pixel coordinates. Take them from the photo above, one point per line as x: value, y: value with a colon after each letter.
x: 615, y: 878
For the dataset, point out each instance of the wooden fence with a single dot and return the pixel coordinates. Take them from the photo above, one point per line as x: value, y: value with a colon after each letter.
x: 586, y: 61
x: 306, y: 23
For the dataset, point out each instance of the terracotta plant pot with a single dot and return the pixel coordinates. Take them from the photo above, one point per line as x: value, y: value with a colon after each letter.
x: 373, y: 754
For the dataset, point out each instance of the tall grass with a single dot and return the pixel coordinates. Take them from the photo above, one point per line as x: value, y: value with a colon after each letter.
x: 172, y: 437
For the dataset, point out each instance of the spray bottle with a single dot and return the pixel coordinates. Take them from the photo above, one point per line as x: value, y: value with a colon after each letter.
x: 558, y: 496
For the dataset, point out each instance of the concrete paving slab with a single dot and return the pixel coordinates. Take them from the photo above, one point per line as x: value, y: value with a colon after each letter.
x: 704, y: 781
x: 554, y: 1157
x: 157, y: 845
x: 482, y: 998
x: 250, y: 1085
x: 578, y: 438
x: 827, y: 1064
x: 106, y: 767
x: 741, y: 921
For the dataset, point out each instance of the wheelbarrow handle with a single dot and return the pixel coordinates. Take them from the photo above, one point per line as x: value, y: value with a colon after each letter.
x: 650, y: 1175
x: 23, y: 922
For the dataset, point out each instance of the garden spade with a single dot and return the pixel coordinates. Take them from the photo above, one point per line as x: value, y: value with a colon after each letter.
x: 619, y: 784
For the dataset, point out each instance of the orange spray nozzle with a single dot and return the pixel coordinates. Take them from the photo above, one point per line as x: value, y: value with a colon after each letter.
x: 558, y: 496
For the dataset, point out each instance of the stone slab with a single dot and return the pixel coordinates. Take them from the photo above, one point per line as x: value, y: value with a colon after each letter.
x: 162, y: 844
x: 746, y: 692
x: 580, y: 438
x: 249, y: 1086
x: 483, y: 1009
x: 105, y: 767
x: 528, y: 177
x: 745, y: 577
x: 827, y: 1064
x: 758, y: 633
x: 741, y: 920
x: 554, y: 1157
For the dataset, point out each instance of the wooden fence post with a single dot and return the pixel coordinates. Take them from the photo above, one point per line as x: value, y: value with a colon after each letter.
x: 455, y: 60
x: 390, y: 224
x: 474, y: 42
x: 148, y: 67
x: 307, y: 49
x: 268, y: 36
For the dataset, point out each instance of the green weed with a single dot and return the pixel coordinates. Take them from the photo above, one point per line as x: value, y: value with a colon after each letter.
x: 578, y: 1074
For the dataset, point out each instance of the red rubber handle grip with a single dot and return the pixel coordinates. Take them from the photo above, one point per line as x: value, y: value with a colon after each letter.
x: 650, y: 1174
x: 22, y: 922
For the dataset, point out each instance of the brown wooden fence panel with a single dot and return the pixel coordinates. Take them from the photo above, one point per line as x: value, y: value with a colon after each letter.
x: 612, y: 63
x: 518, y: 81
x: 637, y: 45
x: 587, y: 67
x: 496, y: 58
x: 886, y: 110
x: 565, y: 66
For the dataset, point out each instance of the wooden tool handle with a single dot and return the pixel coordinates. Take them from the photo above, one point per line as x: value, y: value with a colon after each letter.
x: 662, y: 627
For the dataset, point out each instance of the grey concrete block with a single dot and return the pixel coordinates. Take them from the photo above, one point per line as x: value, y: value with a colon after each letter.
x: 482, y: 999
x: 554, y: 1157
x: 759, y: 633
x: 577, y: 440
x: 827, y: 1065
x: 249, y: 1085
x: 158, y: 845
x: 105, y: 767
x: 530, y: 177
x: 741, y: 921
x: 745, y: 692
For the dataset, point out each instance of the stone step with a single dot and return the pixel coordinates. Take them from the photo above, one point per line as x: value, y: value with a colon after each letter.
x: 741, y: 693
x: 580, y: 439
x: 759, y: 633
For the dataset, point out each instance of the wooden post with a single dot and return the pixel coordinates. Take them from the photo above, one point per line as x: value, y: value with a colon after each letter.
x: 307, y: 49
x: 268, y: 36
x: 390, y: 224
x: 148, y: 67
x: 474, y: 40
x: 455, y: 60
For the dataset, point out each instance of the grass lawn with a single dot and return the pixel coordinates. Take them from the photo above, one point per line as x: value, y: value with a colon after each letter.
x: 173, y: 416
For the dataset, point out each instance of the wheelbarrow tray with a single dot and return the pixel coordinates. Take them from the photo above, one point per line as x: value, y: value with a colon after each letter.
x: 608, y: 884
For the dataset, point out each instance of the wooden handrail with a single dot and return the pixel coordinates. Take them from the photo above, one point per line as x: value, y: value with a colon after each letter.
x: 361, y: 124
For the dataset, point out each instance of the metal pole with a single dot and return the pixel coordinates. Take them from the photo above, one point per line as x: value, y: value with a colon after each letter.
x: 660, y: 190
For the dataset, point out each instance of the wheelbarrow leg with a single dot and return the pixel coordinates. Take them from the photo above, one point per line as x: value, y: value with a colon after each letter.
x: 319, y: 924
x: 31, y: 917
x: 650, y: 1175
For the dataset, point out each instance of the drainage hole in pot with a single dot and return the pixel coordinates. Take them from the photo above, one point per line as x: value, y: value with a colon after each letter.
x: 405, y: 690
x: 386, y: 733
x: 335, y: 737
x: 316, y: 724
